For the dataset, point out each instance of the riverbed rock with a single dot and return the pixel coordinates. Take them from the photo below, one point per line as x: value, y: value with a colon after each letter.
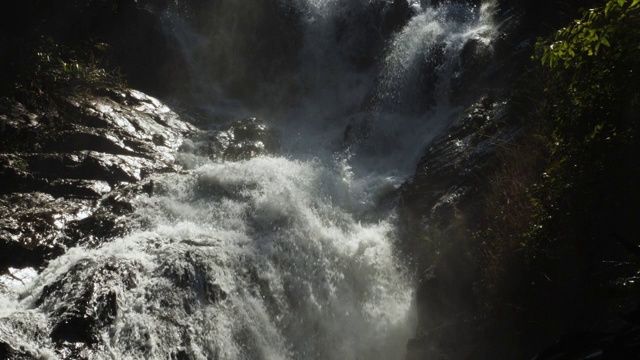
x: 69, y: 173
x: 240, y: 140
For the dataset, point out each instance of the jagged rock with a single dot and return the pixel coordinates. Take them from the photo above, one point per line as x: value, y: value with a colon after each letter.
x: 355, y: 29
x: 36, y: 227
x: 32, y: 227
x: 449, y: 170
x: 90, y: 291
x: 249, y: 138
x: 55, y: 167
x: 114, y: 137
x: 438, y: 205
x: 241, y: 140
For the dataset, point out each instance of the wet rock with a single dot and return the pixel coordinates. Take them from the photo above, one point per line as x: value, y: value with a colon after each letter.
x: 65, y: 174
x: 37, y: 227
x: 476, y: 70
x: 110, y: 218
x: 241, y: 140
x: 438, y: 205
x: 266, y: 40
x: 192, y: 272
x: 357, y: 130
x: 115, y: 137
x: 32, y: 227
x: 396, y: 15
x: 84, y: 302
x: 249, y: 138
x: 362, y: 31
x: 450, y: 169
x: 181, y: 355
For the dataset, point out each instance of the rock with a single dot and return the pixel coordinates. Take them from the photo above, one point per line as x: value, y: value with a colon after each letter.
x: 112, y: 137
x: 90, y: 292
x: 396, y: 16
x: 139, y: 46
x: 241, y: 140
x: 110, y: 218
x: 194, y: 274
x: 65, y: 176
x: 438, y: 206
x: 36, y: 227
x: 249, y: 138
x: 32, y: 227
x: 450, y: 168
x: 265, y: 39
x: 362, y: 31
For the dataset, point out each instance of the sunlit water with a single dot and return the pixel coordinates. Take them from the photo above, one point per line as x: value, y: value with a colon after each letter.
x: 283, y: 257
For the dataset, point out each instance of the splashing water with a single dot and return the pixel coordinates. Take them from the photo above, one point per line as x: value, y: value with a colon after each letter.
x: 249, y: 260
x: 274, y: 257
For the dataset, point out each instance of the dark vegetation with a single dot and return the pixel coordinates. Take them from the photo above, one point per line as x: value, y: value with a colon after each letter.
x: 42, y: 67
x: 51, y: 52
x: 73, y: 43
x: 559, y: 240
x: 531, y: 233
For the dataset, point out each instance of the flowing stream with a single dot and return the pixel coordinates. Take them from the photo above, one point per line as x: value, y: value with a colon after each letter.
x: 288, y: 256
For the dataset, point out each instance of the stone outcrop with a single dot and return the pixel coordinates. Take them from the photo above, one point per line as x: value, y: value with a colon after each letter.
x: 240, y: 140
x: 68, y: 175
x: 439, y: 204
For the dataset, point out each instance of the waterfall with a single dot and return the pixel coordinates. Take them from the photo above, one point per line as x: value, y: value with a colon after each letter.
x: 289, y: 256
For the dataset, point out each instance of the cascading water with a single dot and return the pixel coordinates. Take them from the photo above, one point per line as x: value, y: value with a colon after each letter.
x: 276, y: 257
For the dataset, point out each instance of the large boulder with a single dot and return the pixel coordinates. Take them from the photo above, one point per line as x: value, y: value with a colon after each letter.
x: 69, y: 175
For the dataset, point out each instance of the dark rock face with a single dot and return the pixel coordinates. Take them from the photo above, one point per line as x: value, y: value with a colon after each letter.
x: 439, y: 203
x: 450, y: 168
x: 241, y: 46
x: 57, y: 169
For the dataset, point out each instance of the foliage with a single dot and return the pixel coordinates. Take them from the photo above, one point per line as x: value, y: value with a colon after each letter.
x: 589, y: 121
x: 508, y: 213
x: 54, y: 72
x: 549, y: 228
x: 593, y: 68
x: 570, y: 46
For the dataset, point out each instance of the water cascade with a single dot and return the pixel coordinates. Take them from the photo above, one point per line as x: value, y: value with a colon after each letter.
x: 286, y: 256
